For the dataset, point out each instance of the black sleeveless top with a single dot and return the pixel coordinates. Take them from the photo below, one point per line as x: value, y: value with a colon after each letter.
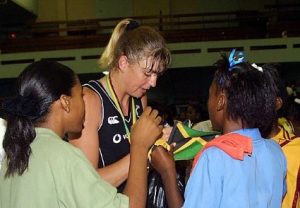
x: 114, y: 144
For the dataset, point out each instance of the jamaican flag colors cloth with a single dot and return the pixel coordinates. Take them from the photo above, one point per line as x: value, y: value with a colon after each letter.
x: 188, y: 141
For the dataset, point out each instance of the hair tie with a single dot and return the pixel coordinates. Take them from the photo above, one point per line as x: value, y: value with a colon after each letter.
x: 132, y: 25
x: 257, y: 67
x: 22, y: 106
x: 235, y: 57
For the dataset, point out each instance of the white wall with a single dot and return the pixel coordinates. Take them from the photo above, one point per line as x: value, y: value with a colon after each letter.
x: 201, y: 56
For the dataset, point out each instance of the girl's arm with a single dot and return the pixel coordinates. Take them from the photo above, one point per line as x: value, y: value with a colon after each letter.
x: 163, y: 163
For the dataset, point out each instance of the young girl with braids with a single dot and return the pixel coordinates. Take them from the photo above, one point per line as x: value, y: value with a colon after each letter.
x: 41, y: 169
x: 241, y: 168
x: 135, y: 56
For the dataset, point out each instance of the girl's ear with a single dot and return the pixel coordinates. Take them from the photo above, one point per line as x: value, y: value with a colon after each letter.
x: 221, y: 101
x: 278, y: 103
x: 123, y: 62
x: 65, y: 102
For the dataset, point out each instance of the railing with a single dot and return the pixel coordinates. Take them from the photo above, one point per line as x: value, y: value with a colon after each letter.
x: 175, y: 28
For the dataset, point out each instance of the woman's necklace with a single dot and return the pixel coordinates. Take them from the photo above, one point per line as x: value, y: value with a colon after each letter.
x: 113, y: 95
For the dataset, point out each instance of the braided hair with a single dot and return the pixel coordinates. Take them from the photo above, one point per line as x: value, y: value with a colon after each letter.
x: 250, y: 92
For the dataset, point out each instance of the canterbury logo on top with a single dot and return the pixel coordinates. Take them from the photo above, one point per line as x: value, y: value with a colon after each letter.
x: 113, y: 120
x: 113, y: 140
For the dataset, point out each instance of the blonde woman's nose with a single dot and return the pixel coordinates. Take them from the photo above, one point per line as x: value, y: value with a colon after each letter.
x: 153, y: 79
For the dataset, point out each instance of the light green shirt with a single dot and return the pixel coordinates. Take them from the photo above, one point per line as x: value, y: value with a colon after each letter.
x: 58, y: 175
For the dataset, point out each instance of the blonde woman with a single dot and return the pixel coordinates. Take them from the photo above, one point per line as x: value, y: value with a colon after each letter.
x: 135, y: 56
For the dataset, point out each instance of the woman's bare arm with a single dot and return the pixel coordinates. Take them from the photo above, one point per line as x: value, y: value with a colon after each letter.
x: 88, y: 141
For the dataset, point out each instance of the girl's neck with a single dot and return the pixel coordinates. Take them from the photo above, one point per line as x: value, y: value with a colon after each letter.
x: 274, y: 131
x: 119, y: 88
x: 230, y: 126
x: 54, y: 125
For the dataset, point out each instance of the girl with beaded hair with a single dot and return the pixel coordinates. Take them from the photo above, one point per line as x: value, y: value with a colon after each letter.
x: 241, y: 168
x: 135, y: 56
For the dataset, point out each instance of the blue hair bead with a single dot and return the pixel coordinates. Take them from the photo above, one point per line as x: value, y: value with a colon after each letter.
x: 236, y: 57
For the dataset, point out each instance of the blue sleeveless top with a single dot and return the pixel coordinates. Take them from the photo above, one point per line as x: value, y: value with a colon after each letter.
x: 113, y: 141
x: 114, y: 144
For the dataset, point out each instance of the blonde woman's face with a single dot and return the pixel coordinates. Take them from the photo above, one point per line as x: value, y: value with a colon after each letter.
x: 142, y: 76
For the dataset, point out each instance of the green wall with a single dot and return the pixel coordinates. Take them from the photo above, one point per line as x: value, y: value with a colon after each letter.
x: 57, y: 10
x: 30, y: 5
x: 113, y: 8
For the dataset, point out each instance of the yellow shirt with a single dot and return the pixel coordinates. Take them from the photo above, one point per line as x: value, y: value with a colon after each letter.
x: 290, y: 145
x: 286, y: 124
